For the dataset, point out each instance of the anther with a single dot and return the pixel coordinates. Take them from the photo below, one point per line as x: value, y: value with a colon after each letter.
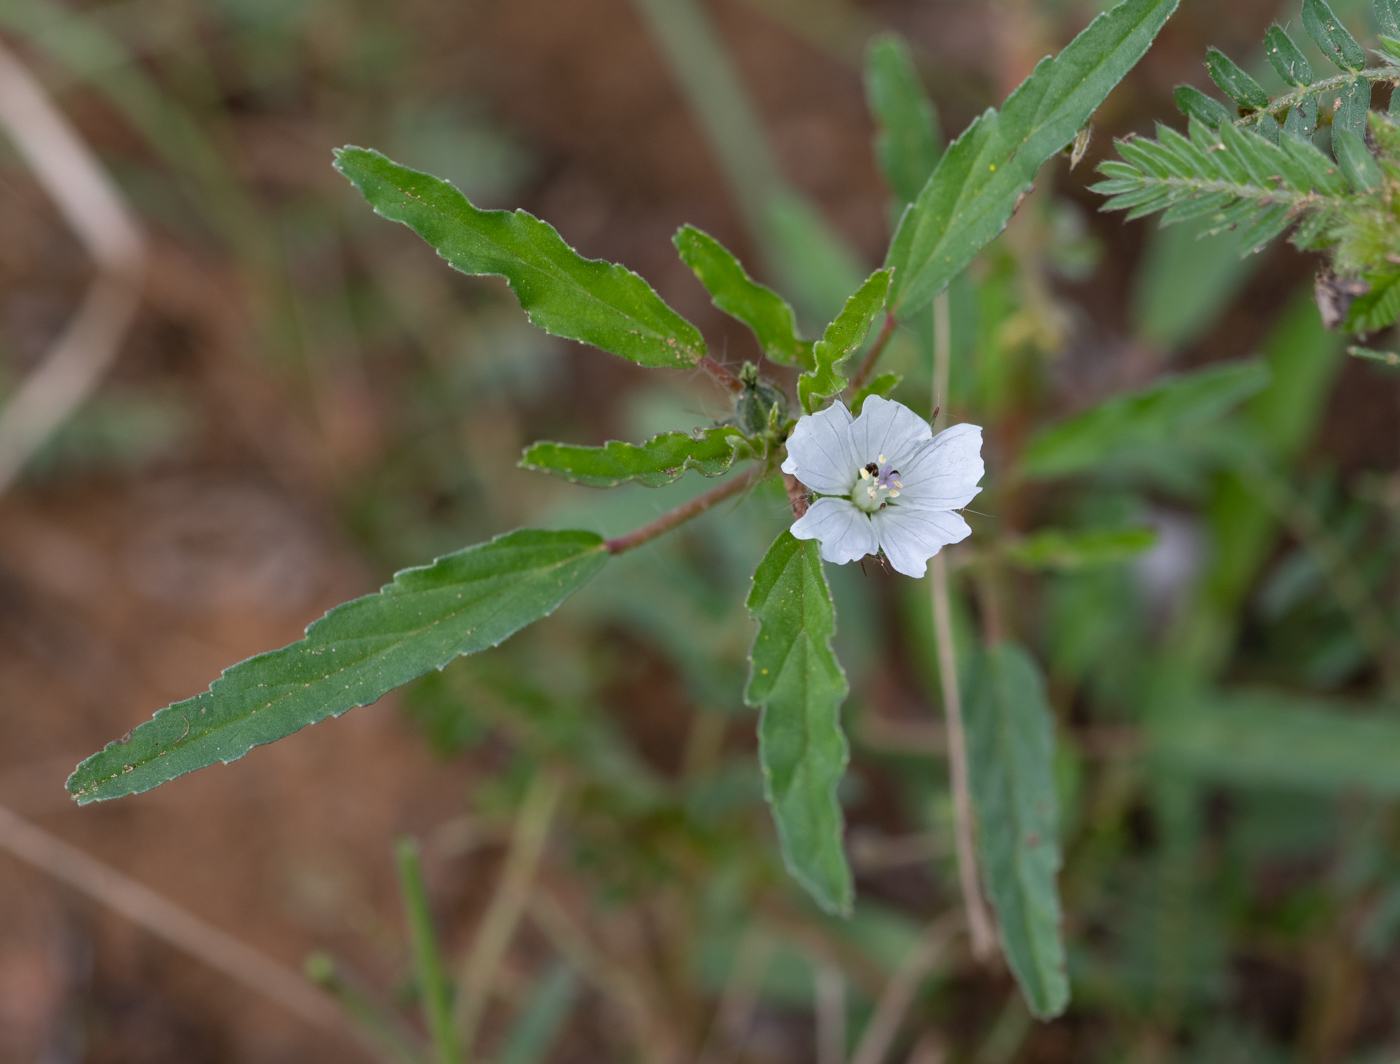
x: 871, y: 468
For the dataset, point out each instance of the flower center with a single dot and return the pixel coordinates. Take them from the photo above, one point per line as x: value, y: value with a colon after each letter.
x: 876, y: 484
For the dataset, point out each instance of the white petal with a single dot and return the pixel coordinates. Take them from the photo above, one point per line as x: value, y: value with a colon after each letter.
x: 911, y: 537
x: 945, y: 472
x: 820, y: 452
x: 888, y: 428
x: 845, y: 533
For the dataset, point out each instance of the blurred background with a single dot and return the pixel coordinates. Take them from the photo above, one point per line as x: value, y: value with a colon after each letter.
x: 307, y: 399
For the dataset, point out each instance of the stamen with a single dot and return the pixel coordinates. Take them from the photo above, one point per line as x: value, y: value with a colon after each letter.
x: 865, y: 474
x: 882, y: 459
x: 894, y: 495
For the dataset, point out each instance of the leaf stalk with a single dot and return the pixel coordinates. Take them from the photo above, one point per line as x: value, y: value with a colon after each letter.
x: 685, y: 512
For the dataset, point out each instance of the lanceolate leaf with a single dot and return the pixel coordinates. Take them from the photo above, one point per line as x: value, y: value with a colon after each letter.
x: 800, y: 686
x: 1193, y: 103
x: 462, y: 603
x: 971, y: 195
x: 660, y: 461
x: 1148, y: 419
x: 908, y: 139
x: 842, y: 339
x: 1011, y: 751
x: 1255, y: 738
x: 738, y: 295
x: 1331, y: 36
x: 597, y: 302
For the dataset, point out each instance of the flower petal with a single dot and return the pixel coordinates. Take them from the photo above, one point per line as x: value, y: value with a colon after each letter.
x: 911, y: 537
x: 944, y: 473
x: 820, y: 452
x: 888, y: 428
x: 845, y: 533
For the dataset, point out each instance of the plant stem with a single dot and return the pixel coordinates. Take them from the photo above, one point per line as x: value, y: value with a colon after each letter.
x: 427, y: 961
x: 508, y: 903
x: 685, y: 512
x: 979, y: 921
x: 873, y: 355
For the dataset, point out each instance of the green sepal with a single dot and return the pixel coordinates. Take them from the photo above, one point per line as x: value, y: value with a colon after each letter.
x: 733, y: 291
x: 1331, y: 37
x: 358, y: 652
x: 799, y: 685
x: 983, y: 174
x: 659, y: 461
x: 842, y: 339
x: 595, y: 302
x: 1234, y: 81
x: 908, y: 138
x: 1010, y: 753
x: 882, y: 386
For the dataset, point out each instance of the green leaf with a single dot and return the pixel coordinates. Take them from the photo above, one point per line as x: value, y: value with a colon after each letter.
x: 1358, y: 165
x: 1388, y: 17
x: 541, y: 1019
x: 1148, y: 419
x: 1193, y: 103
x: 1011, y: 752
x: 882, y: 386
x: 800, y: 686
x: 1062, y: 551
x: 974, y: 190
x: 596, y: 302
x: 908, y: 139
x: 1331, y: 36
x: 1277, y: 739
x: 1288, y: 59
x: 842, y: 339
x: 1234, y: 82
x: 1370, y: 354
x: 660, y: 461
x: 1353, y: 102
x: 765, y: 312
x: 429, y: 972
x: 355, y: 654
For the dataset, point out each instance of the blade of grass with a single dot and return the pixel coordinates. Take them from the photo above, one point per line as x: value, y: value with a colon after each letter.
x: 508, y: 904
x: 427, y: 958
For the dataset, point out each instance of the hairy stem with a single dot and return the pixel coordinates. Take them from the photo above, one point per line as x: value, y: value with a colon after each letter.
x: 686, y: 512
x: 873, y: 355
x: 1297, y: 96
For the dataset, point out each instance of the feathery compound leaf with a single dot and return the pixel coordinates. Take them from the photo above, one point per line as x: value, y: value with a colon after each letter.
x: 355, y: 654
x: 841, y: 340
x: 1145, y: 419
x: 1288, y: 59
x: 972, y: 193
x: 563, y: 293
x: 1011, y: 751
x: 660, y: 461
x: 1331, y: 36
x: 1234, y: 82
x: 766, y: 313
x: 908, y: 139
x: 797, y: 681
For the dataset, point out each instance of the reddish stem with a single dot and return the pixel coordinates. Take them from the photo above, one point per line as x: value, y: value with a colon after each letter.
x: 681, y: 514
x: 876, y: 350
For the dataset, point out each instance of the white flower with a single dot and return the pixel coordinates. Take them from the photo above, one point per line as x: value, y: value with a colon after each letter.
x: 885, y: 482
